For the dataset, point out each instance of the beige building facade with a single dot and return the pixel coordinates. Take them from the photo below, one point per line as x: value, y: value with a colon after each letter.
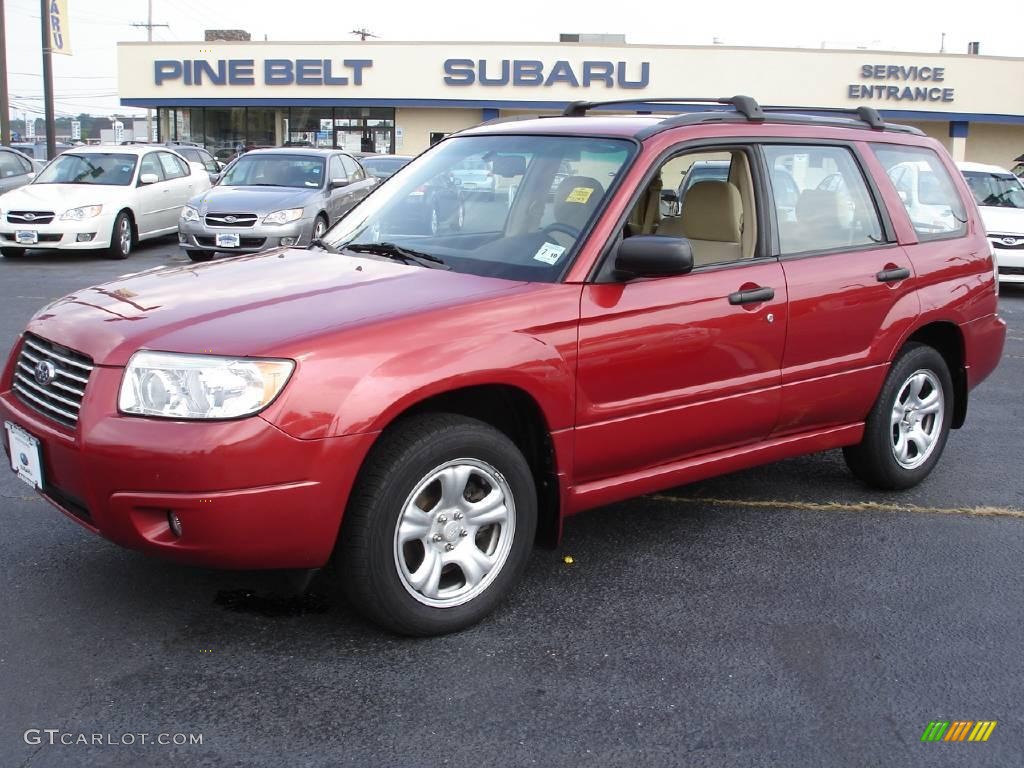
x: 402, y: 97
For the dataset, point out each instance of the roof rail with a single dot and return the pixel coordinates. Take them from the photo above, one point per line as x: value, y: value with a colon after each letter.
x: 745, y: 105
x: 867, y: 115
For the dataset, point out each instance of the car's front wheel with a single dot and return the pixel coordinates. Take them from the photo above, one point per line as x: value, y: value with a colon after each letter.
x: 196, y: 254
x: 439, y: 526
x: 121, y: 237
x: 906, y: 431
x: 12, y: 253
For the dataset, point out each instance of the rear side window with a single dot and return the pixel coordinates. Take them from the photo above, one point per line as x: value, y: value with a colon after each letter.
x: 173, y: 167
x: 822, y: 202
x: 926, y: 189
x: 352, y: 168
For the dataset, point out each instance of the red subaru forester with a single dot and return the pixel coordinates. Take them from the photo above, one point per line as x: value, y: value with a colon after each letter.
x: 637, y: 302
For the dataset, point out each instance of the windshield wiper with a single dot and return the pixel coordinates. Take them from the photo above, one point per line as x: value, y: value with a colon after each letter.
x: 399, y: 253
x: 318, y: 243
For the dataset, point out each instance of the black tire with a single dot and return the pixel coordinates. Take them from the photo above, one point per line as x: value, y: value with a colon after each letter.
x: 403, y: 458
x: 874, y: 460
x: 198, y: 255
x: 121, y: 246
x: 12, y: 253
x: 320, y: 221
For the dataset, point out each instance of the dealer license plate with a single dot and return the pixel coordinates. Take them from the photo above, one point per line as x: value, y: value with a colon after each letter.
x: 26, y: 237
x: 26, y: 458
x: 228, y: 240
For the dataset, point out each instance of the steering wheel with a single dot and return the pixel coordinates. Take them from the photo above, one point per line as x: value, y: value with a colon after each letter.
x: 565, y: 229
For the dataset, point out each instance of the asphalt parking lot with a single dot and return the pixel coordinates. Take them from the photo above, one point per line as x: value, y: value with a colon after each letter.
x: 783, y: 616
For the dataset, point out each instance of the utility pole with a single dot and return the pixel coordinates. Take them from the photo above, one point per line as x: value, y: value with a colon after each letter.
x: 5, y: 107
x: 51, y: 124
x: 149, y: 38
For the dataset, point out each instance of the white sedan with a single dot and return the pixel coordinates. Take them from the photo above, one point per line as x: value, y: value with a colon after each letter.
x: 100, y: 198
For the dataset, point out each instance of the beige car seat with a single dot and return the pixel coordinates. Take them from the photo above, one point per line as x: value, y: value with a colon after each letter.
x: 710, y: 219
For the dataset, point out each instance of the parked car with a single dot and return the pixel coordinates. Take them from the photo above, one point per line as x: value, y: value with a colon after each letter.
x: 702, y: 170
x: 1000, y: 196
x: 428, y: 406
x: 16, y: 170
x: 37, y: 151
x: 272, y: 197
x: 919, y: 188
x: 436, y: 206
x: 1018, y: 167
x: 100, y: 198
x: 475, y: 177
x: 384, y: 166
x: 196, y: 154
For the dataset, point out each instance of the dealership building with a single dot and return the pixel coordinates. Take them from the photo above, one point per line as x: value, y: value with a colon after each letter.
x: 402, y: 97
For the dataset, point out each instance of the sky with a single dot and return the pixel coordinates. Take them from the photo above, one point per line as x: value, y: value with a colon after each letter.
x: 87, y: 81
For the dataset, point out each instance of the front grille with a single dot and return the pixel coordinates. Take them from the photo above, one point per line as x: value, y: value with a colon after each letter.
x: 60, y: 397
x: 230, y: 220
x: 243, y: 242
x: 43, y: 237
x: 1011, y: 270
x: 1007, y: 242
x: 29, y: 217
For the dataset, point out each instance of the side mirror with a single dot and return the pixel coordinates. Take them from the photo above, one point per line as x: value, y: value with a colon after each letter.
x: 336, y: 183
x: 31, y: 175
x: 904, y: 197
x: 148, y: 178
x: 653, y: 256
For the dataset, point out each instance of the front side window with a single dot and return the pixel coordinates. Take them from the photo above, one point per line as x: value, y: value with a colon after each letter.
x: 822, y: 202
x: 108, y: 169
x: 926, y: 190
x: 525, y: 223
x: 998, y: 190
x: 271, y: 170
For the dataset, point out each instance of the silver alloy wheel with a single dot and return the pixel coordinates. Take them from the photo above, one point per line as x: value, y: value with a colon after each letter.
x: 916, y: 420
x: 319, y: 227
x: 124, y: 236
x: 455, y: 533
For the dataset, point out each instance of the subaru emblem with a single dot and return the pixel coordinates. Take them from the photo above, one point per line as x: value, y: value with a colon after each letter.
x: 230, y: 219
x: 1009, y: 241
x: 45, y: 372
x: 23, y: 459
x: 29, y: 216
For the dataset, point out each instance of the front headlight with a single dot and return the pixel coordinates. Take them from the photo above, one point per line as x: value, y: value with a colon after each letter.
x: 178, y: 386
x: 283, y: 217
x: 188, y: 213
x: 80, y: 214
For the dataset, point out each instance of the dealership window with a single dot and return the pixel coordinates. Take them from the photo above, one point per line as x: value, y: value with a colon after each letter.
x: 822, y: 202
x: 926, y: 189
x: 224, y: 131
x: 309, y: 127
x: 259, y: 124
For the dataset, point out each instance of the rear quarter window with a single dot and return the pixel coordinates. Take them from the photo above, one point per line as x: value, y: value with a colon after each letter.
x: 926, y: 189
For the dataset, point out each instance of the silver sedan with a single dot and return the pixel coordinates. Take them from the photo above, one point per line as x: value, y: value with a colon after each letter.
x: 272, y: 197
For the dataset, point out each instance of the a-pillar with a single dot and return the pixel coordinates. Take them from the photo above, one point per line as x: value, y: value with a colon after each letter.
x: 958, y: 133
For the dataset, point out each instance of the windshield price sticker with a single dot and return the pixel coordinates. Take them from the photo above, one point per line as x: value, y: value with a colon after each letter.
x: 580, y: 195
x: 549, y: 253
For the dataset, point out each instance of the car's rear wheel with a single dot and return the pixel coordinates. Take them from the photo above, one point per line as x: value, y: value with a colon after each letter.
x: 907, y: 429
x: 439, y: 526
x: 12, y: 253
x: 197, y: 255
x: 121, y: 237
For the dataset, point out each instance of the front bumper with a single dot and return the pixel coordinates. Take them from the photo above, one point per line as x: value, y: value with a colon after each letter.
x: 248, y: 495
x: 196, y: 235
x: 62, y: 235
x: 1010, y: 262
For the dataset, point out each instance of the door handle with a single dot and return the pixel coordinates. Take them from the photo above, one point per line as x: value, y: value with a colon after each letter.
x: 893, y: 274
x: 752, y: 296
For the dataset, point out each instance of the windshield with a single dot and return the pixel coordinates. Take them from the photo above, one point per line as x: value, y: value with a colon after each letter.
x: 1001, y: 190
x: 382, y: 168
x: 524, y: 224
x: 299, y: 171
x: 93, y: 168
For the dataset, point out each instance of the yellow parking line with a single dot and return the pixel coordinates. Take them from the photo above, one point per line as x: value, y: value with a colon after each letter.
x: 838, y: 506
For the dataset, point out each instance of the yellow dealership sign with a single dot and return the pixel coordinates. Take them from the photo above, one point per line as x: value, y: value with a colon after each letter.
x: 60, y: 27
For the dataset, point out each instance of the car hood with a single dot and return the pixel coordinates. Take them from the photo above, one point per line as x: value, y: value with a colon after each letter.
x: 1003, y: 221
x: 274, y: 303
x: 61, y: 197
x: 258, y: 200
